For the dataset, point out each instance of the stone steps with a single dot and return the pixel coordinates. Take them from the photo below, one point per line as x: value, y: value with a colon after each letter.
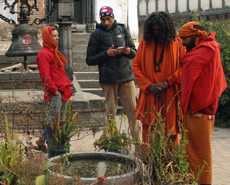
x: 83, y: 67
x: 96, y: 91
x: 89, y: 83
x: 87, y: 75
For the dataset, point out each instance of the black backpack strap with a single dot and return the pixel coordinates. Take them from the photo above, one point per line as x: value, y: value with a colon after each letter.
x: 122, y: 30
x: 98, y: 34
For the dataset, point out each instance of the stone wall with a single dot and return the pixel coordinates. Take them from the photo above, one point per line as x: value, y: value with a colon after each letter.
x: 34, y: 121
x: 28, y: 112
x: 33, y: 118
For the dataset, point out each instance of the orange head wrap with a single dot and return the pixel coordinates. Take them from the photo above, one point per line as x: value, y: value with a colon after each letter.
x: 188, y: 30
x: 48, y: 43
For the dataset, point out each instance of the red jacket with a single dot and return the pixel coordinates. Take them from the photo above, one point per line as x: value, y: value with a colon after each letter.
x: 53, y: 77
x: 203, y: 79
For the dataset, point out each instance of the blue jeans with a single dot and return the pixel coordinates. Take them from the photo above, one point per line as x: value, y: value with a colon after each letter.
x: 57, y: 106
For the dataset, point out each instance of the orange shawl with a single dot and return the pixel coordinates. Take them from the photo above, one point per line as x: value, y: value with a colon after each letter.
x: 187, y: 30
x: 48, y: 43
x: 203, y: 79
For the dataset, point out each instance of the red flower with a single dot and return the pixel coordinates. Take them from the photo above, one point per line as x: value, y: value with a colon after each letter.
x: 101, y: 179
x: 27, y: 36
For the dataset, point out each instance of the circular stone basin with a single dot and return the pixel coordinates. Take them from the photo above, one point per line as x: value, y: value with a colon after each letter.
x: 118, y: 168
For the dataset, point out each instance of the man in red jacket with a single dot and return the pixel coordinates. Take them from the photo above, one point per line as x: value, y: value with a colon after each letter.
x: 203, y: 82
x: 56, y: 85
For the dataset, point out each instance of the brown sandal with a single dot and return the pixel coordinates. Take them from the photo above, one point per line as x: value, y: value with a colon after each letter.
x: 40, y: 143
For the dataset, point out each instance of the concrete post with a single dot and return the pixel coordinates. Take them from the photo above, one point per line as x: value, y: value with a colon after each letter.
x: 65, y: 20
x: 65, y: 46
x: 65, y: 17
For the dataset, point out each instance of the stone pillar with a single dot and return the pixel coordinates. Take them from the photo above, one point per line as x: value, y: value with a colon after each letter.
x: 65, y: 46
x: 65, y: 20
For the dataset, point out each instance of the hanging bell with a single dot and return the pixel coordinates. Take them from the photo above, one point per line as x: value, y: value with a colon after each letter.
x: 24, y: 42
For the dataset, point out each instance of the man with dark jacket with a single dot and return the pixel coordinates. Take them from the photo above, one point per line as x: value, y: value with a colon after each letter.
x: 110, y: 47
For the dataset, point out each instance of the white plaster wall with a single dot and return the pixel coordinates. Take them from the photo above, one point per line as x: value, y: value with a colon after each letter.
x: 151, y: 6
x: 6, y: 12
x: 216, y: 4
x: 142, y: 7
x: 193, y: 5
x: 227, y: 2
x: 205, y: 4
x: 172, y: 6
x: 133, y: 18
x: 121, y: 10
x: 120, y: 13
x: 182, y: 5
x: 161, y: 5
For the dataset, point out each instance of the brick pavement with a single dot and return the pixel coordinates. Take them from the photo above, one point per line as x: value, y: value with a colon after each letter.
x: 220, y: 149
x: 221, y: 156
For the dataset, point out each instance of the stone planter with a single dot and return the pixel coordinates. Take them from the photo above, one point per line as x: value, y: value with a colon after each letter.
x: 126, y: 178
x: 113, y: 150
x: 57, y: 150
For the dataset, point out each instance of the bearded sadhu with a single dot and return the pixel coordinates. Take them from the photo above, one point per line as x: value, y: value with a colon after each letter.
x: 157, y: 68
x: 203, y: 82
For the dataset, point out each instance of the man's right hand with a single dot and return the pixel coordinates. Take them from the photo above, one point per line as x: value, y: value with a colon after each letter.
x: 113, y: 52
x: 57, y: 93
x: 155, y: 90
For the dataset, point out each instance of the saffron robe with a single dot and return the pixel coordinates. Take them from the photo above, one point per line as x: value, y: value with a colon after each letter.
x: 199, y: 150
x: 171, y: 70
x: 53, y: 77
x: 203, y: 81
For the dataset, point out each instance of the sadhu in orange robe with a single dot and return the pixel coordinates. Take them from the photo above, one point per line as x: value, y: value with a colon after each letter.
x: 171, y: 70
x: 202, y: 84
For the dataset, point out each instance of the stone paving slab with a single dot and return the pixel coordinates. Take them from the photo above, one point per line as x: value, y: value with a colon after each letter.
x: 221, y: 156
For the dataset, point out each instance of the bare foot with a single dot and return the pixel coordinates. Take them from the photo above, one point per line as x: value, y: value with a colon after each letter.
x: 41, y: 143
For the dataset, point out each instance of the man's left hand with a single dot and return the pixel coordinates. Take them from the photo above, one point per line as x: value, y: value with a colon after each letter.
x: 126, y: 50
x: 160, y: 87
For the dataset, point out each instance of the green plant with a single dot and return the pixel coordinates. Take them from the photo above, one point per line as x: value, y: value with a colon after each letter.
x: 11, y: 154
x: 112, y: 137
x: 62, y: 136
x: 164, y: 161
x: 43, y: 179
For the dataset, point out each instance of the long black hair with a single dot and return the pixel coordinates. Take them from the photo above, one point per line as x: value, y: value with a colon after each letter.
x: 167, y: 28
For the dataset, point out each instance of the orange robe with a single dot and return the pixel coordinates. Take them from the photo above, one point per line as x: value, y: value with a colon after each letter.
x: 143, y: 68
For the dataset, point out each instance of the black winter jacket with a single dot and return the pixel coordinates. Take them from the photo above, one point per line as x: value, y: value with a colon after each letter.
x: 111, y: 69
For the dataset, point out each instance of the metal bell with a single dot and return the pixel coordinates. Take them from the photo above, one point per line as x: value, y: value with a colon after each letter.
x: 24, y: 42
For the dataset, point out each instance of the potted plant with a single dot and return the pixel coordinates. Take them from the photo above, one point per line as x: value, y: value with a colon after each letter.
x: 112, y: 139
x: 59, y: 142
